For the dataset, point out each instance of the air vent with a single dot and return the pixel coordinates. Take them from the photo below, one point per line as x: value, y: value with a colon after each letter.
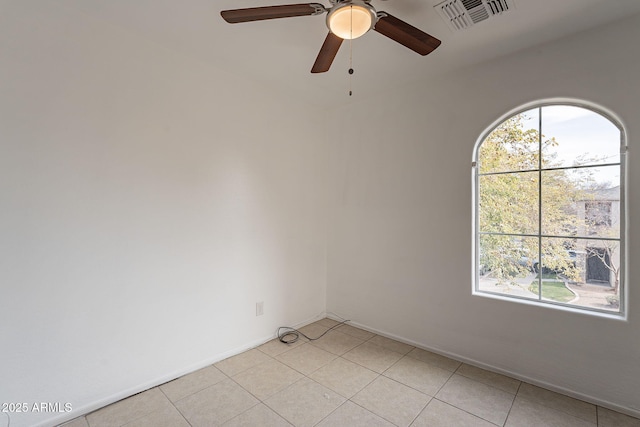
x: 461, y: 14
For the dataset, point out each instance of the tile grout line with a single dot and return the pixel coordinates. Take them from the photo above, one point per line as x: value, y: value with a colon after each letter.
x: 176, y: 408
x: 384, y: 373
x: 124, y: 399
x: 197, y: 391
x: 466, y: 411
x: 338, y: 356
x: 413, y: 388
x: 451, y: 374
x: 368, y: 410
x: 531, y: 400
x: 260, y: 402
x: 421, y: 410
x: 512, y: 403
x: 329, y: 414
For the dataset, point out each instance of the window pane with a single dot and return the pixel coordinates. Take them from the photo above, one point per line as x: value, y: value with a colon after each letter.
x: 597, y: 205
x: 559, y: 195
x: 596, y: 178
x: 512, y: 146
x: 581, y: 272
x: 575, y: 136
x: 506, y: 265
x: 549, y: 209
x: 508, y: 203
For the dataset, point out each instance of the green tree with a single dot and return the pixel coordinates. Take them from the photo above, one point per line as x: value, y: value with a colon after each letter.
x: 516, y: 202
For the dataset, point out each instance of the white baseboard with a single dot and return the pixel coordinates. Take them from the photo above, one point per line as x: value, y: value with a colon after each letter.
x: 87, y: 409
x: 633, y: 412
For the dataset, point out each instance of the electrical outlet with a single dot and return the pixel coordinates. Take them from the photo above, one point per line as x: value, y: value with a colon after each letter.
x: 259, y: 308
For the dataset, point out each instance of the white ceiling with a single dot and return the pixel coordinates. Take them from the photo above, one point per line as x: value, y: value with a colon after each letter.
x: 279, y: 53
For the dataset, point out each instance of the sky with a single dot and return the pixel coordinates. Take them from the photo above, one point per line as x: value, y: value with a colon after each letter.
x: 579, y: 132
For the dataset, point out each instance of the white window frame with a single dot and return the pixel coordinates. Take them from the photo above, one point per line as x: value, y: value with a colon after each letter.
x: 623, y: 306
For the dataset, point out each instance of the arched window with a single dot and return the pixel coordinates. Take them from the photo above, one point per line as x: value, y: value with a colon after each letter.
x: 549, y: 208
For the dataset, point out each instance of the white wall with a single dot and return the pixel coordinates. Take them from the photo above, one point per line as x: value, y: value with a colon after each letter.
x: 147, y: 202
x: 400, y: 250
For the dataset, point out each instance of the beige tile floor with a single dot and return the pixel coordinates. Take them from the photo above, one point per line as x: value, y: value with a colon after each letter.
x: 350, y: 378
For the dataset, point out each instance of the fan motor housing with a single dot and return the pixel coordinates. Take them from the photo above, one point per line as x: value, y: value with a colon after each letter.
x: 351, y: 19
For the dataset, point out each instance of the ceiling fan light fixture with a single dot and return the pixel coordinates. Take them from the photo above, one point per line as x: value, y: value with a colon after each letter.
x: 346, y: 19
x: 351, y: 20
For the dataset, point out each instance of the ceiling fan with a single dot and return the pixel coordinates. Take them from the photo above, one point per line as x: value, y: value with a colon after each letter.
x: 346, y: 19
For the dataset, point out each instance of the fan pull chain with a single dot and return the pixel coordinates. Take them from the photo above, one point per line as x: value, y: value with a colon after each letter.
x: 351, y: 52
x: 350, y: 67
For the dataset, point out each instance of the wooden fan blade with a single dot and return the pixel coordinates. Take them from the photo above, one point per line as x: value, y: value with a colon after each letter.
x: 271, y: 12
x: 405, y: 34
x: 327, y: 53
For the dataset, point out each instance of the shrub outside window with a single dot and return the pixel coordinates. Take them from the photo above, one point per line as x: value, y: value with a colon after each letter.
x: 549, y: 211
